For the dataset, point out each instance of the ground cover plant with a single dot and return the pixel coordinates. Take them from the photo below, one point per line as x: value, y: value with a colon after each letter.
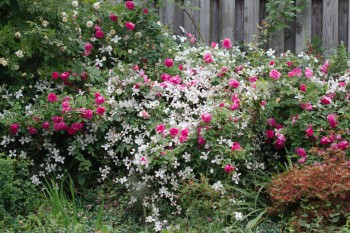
x: 124, y: 127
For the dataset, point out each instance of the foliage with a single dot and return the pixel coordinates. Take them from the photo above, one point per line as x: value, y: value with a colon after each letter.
x: 281, y: 12
x: 107, y: 94
x: 317, y: 191
x: 18, y: 196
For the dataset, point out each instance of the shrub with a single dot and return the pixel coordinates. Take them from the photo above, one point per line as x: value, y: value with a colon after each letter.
x: 315, y: 192
x: 18, y: 196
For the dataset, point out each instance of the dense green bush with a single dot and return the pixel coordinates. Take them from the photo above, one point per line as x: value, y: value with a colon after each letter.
x: 18, y: 196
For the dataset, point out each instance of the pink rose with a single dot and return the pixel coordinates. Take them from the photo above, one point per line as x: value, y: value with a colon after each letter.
x: 233, y: 83
x: 325, y: 140
x: 77, y: 126
x: 99, y: 34
x: 45, y: 125
x: 326, y: 100
x: 14, y: 128
x: 71, y: 131
x: 270, y: 134
x: 308, y: 73
x: 185, y: 132
x: 213, y: 44
x: 88, y: 46
x: 144, y: 114
x: 229, y: 168
x: 332, y: 121
x: 271, y: 122
x: 99, y: 100
x: 100, y: 110
x: 272, y: 63
x: 130, y: 26
x: 52, y: 97
x: 201, y: 140
x: 307, y: 106
x: 302, y: 87
x: 54, y: 75
x: 113, y: 17
x: 301, y: 152
x: 84, y: 76
x: 183, y: 139
x: 302, y: 160
x: 343, y: 145
x: 279, y: 144
x: 206, y: 117
x: 309, y: 131
x: 174, y: 132
x: 87, y: 114
x: 160, y: 128
x: 235, y: 105
x: 226, y: 43
x: 236, y: 146
x: 64, y: 76
x: 275, y: 74
x: 324, y: 67
x: 289, y: 64
x: 130, y: 5
x: 208, y: 58
x: 32, y: 130
x: 169, y: 62
x: 175, y: 79
x: 145, y: 11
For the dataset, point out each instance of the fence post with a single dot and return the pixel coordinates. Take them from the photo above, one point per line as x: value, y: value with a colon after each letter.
x: 251, y: 19
x: 330, y: 24
x: 303, y: 27
x: 227, y: 19
x: 204, y: 20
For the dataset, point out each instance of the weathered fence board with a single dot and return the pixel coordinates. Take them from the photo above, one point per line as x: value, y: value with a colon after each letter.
x: 251, y: 19
x: 227, y: 19
x: 303, y: 27
x: 238, y: 19
x: 330, y: 24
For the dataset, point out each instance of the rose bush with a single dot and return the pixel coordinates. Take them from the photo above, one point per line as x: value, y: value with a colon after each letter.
x: 115, y: 93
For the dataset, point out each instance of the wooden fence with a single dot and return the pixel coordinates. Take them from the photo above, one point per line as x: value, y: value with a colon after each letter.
x: 238, y: 20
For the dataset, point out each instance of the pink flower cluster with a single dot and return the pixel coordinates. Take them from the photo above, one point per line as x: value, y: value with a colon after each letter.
x: 174, y: 132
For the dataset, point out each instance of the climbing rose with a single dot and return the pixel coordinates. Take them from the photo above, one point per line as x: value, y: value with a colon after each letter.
x: 88, y: 46
x: 130, y: 5
x: 208, y: 58
x: 100, y: 110
x: 301, y: 152
x: 99, y: 100
x: 308, y: 73
x: 113, y: 17
x: 309, y: 131
x: 99, y: 34
x: 275, y: 74
x: 130, y: 26
x: 332, y: 121
x: 326, y: 100
x: 87, y: 114
x: 233, y: 83
x: 169, y: 62
x: 14, y: 128
x: 206, y: 117
x: 52, y: 97
x: 45, y: 125
x: 54, y: 75
x: 229, y: 168
x: 270, y: 133
x: 271, y: 122
x: 302, y: 87
x: 174, y: 132
x: 236, y: 146
x: 226, y: 43
x: 160, y: 128
x: 64, y: 76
